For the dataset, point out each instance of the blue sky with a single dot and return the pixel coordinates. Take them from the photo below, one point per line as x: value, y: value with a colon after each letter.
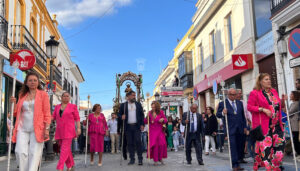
x: 114, y: 34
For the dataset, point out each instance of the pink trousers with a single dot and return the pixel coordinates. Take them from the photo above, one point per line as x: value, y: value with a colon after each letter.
x: 65, y: 154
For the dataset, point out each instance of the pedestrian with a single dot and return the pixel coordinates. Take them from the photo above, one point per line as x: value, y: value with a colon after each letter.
x: 107, y: 144
x: 236, y: 126
x: 144, y: 135
x: 65, y: 115
x: 132, y: 114
x: 210, y: 130
x: 32, y: 125
x: 181, y: 130
x: 82, y: 137
x: 157, y: 142
x: 113, y: 132
x: 294, y: 118
x: 97, y: 130
x: 175, y: 135
x: 170, y: 130
x: 264, y: 104
x: 220, y: 136
x: 194, y: 125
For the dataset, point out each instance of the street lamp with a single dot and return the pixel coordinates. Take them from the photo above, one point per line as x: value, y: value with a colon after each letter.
x: 156, y: 95
x: 51, y: 51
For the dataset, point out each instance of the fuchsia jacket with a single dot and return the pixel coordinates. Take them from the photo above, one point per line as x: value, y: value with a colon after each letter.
x: 41, y: 115
x: 257, y: 100
x: 65, y: 125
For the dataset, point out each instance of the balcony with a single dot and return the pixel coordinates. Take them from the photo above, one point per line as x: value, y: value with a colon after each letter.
x: 57, y: 76
x: 279, y: 5
x: 3, y: 31
x: 21, y: 38
x: 187, y: 81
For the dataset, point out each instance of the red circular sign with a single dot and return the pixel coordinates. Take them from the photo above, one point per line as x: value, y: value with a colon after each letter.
x: 25, y: 58
x: 294, y: 43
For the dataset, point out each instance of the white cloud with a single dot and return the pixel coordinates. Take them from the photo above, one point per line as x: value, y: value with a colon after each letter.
x: 73, y: 12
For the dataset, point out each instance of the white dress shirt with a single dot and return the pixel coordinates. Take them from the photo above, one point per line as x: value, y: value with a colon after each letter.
x: 131, y: 113
x: 113, y: 126
x: 193, y: 121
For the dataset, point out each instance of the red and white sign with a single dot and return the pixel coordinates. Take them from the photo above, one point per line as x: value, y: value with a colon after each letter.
x: 242, y: 61
x: 25, y: 58
x: 172, y: 93
x: 48, y: 86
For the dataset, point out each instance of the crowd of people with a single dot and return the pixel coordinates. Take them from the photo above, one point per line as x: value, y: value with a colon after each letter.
x: 254, y: 129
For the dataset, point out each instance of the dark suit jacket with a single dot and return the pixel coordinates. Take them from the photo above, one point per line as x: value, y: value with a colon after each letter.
x: 199, y: 124
x: 139, y: 114
x: 236, y: 122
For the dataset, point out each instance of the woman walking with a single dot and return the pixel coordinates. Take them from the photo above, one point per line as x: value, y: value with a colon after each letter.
x: 211, y: 129
x: 97, y: 130
x: 265, y: 106
x: 157, y: 141
x: 65, y: 115
x: 32, y: 123
x: 294, y: 119
x: 169, y: 130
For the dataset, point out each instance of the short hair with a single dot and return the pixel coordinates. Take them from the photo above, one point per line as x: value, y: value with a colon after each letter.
x: 296, y: 95
x: 64, y: 92
x: 129, y: 93
x: 95, y: 107
x: 211, y: 109
x: 260, y: 77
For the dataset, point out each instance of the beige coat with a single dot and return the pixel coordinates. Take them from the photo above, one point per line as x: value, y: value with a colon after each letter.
x: 294, y: 118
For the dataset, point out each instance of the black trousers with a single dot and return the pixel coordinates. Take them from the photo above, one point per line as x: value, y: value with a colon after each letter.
x: 124, y: 148
x: 134, y: 142
x: 192, y: 139
x: 296, y: 142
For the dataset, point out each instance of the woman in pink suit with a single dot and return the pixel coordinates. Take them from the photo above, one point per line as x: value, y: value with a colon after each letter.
x: 32, y: 123
x: 157, y: 145
x: 65, y: 115
x: 97, y: 130
x: 264, y: 104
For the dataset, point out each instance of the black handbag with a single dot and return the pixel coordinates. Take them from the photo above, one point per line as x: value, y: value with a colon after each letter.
x: 256, y: 134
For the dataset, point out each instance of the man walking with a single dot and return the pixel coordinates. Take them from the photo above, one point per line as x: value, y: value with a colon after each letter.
x: 236, y: 126
x: 194, y: 127
x: 114, y: 137
x: 133, y: 114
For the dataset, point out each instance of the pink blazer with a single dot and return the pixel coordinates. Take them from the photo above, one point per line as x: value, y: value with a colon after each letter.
x: 41, y: 115
x: 256, y: 100
x: 65, y: 125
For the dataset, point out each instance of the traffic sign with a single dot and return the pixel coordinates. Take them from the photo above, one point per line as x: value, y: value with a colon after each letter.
x: 294, y: 43
x: 48, y: 85
x: 215, y: 87
x: 294, y: 62
x: 25, y: 58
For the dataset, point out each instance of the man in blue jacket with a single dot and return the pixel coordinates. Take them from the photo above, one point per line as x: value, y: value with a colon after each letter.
x: 236, y: 126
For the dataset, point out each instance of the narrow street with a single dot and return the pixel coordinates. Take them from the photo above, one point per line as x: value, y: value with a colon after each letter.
x: 174, y: 162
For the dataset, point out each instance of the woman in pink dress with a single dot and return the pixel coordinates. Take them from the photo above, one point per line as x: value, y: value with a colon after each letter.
x: 157, y: 145
x: 97, y: 130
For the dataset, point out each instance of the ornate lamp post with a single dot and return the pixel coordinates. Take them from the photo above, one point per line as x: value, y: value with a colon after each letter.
x: 51, y: 51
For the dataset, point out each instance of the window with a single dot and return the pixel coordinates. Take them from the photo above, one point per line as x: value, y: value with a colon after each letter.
x: 33, y: 28
x: 228, y: 33
x: 213, y: 47
x: 201, y: 57
x: 181, y: 68
x: 262, y: 14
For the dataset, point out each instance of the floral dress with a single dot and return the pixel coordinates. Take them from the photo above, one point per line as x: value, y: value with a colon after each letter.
x: 270, y: 151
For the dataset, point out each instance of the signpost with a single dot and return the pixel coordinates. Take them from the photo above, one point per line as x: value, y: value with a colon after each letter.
x: 242, y: 61
x: 294, y: 43
x: 294, y: 62
x: 24, y: 60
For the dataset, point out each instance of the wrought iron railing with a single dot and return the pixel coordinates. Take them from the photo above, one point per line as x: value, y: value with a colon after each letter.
x: 21, y: 38
x: 57, y: 75
x: 278, y: 5
x: 3, y: 31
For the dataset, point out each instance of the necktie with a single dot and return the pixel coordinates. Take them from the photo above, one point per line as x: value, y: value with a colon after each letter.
x: 234, y: 107
x: 192, y: 124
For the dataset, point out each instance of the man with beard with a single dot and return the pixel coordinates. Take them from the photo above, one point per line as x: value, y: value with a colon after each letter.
x: 132, y: 113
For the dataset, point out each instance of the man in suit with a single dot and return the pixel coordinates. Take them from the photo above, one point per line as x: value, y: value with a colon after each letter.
x: 133, y: 114
x: 194, y: 127
x: 236, y: 126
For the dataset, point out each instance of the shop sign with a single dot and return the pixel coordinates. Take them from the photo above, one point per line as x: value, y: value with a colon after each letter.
x: 294, y: 43
x: 215, y: 87
x: 242, y: 61
x: 170, y: 99
x: 172, y: 88
x: 172, y: 93
x: 294, y: 62
x: 173, y: 109
x: 25, y: 58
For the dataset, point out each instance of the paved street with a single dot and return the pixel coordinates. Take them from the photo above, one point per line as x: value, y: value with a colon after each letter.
x: 220, y: 162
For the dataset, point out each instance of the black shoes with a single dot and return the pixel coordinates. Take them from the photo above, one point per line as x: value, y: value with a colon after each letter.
x: 189, y: 163
x: 140, y: 162
x: 200, y: 163
x: 243, y: 161
x: 131, y: 162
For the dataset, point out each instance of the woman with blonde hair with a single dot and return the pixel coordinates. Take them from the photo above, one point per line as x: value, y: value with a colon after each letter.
x: 97, y: 130
x: 157, y: 147
x: 265, y: 106
x: 32, y: 125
